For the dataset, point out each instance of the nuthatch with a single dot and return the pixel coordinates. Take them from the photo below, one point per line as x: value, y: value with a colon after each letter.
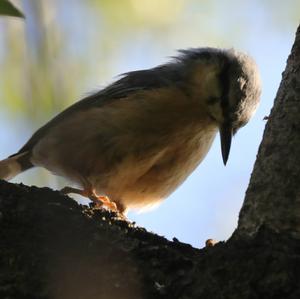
x: 135, y: 141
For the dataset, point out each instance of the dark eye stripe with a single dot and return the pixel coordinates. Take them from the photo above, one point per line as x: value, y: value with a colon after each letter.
x: 224, y: 79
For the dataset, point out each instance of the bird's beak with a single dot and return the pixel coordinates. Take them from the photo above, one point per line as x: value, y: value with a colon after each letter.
x: 225, y: 135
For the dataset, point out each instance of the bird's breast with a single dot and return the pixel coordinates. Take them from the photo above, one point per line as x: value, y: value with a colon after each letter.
x: 148, y: 177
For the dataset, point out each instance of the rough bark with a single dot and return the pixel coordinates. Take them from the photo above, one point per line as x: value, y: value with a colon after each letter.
x: 273, y: 195
x: 51, y: 247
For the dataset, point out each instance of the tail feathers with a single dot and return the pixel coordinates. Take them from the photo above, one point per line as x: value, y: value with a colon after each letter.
x: 14, y: 165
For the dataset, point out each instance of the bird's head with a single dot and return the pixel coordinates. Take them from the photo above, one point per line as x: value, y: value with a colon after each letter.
x: 227, y: 83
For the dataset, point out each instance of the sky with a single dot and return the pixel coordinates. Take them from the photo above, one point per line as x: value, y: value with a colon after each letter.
x: 207, y: 204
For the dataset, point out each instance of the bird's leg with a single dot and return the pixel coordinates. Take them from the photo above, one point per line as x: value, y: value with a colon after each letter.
x: 91, y: 194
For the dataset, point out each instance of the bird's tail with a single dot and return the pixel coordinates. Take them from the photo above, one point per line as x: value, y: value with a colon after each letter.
x: 14, y: 165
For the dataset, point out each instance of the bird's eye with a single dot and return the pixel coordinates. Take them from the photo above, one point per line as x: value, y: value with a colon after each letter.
x: 212, y: 100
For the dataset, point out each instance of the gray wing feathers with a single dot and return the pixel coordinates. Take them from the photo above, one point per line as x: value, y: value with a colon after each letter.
x: 132, y: 82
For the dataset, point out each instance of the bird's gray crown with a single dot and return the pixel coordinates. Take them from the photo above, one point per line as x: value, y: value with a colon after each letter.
x: 238, y: 76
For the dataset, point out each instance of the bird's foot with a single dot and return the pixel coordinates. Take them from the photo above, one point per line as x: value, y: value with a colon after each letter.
x: 103, y: 201
x: 99, y: 201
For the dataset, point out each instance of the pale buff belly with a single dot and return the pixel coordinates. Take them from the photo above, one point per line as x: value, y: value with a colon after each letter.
x: 142, y: 183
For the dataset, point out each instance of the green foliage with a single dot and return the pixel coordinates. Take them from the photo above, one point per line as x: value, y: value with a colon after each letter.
x: 8, y: 9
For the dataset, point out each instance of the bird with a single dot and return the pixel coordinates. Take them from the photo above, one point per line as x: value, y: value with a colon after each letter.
x: 132, y: 143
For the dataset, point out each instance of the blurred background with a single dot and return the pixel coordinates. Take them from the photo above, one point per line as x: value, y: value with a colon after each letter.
x: 65, y: 49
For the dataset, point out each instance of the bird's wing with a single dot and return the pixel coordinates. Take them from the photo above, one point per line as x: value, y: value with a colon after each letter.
x: 131, y: 82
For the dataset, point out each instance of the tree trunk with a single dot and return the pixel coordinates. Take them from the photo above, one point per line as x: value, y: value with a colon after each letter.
x: 51, y: 247
x: 273, y: 195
